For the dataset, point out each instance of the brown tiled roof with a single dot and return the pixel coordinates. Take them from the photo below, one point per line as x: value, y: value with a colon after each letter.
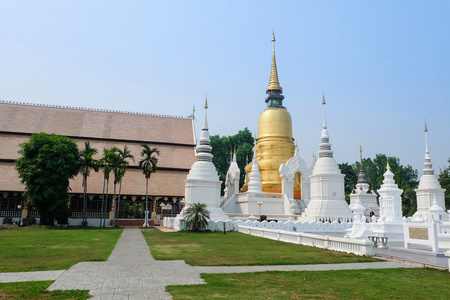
x: 172, y: 136
x: 95, y: 124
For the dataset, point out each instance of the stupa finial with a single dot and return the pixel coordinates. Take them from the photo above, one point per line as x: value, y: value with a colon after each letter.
x: 428, y: 166
x: 274, y: 90
x: 325, y: 146
x: 324, y: 117
x: 206, y: 102
x: 362, y: 178
x: 274, y: 84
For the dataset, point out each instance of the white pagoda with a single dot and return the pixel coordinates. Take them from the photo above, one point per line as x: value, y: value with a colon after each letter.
x: 429, y: 187
x: 390, y: 223
x: 327, y: 186
x: 363, y: 193
x: 202, y: 184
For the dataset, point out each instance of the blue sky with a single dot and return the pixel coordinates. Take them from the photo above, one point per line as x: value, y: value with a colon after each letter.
x: 383, y: 65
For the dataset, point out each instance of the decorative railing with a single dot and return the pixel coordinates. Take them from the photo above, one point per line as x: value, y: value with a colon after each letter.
x: 10, y: 213
x: 89, y: 214
x: 355, y: 246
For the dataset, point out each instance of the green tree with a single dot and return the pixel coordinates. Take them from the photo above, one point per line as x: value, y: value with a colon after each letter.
x: 122, y: 165
x: 222, y: 148
x: 350, y: 179
x: 46, y: 164
x: 197, y: 216
x: 148, y: 165
x: 87, y: 162
x: 106, y: 161
x: 444, y: 181
x: 405, y: 177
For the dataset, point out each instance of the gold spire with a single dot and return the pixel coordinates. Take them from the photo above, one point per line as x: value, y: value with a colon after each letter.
x: 274, y: 84
x: 360, y: 152
x: 323, y: 99
x: 426, y: 129
x: 206, y: 102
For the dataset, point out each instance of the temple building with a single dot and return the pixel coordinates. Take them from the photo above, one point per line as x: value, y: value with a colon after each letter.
x: 174, y: 137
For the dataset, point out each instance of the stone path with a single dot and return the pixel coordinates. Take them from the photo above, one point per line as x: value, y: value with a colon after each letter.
x: 131, y: 272
x: 30, y: 276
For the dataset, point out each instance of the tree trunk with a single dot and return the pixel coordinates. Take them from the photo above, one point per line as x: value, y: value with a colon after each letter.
x: 118, y: 203
x: 146, y: 204
x: 103, y: 201
x: 106, y: 201
x: 84, y: 222
x: 114, y: 202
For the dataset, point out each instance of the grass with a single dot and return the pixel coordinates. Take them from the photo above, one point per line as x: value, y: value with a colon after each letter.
x: 234, y: 248
x: 348, y: 284
x: 39, y: 248
x: 36, y: 290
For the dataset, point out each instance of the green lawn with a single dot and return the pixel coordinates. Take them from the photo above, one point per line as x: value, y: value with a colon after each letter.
x: 353, y: 284
x: 234, y: 248
x: 36, y: 290
x: 40, y: 248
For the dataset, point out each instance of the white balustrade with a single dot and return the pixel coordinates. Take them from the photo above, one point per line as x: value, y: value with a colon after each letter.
x: 355, y: 246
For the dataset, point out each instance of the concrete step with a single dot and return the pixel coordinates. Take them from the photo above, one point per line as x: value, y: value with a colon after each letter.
x: 132, y: 223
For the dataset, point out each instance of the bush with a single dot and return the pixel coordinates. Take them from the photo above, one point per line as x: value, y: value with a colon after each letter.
x: 28, y: 221
x: 7, y: 220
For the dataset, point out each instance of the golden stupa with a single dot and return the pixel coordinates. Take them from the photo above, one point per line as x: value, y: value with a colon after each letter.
x: 274, y: 143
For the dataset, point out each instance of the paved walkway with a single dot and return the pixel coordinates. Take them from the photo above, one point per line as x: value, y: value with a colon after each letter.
x: 418, y: 257
x: 131, y: 272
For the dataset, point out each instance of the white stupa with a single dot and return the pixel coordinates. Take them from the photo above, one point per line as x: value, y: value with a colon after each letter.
x: 360, y: 228
x: 327, y: 186
x: 254, y: 181
x: 202, y: 184
x: 364, y: 194
x: 232, y: 178
x: 429, y: 187
x: 390, y: 222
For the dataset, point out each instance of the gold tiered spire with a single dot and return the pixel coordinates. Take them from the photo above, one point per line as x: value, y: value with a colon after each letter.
x: 426, y: 129
x: 206, y: 102
x: 274, y: 84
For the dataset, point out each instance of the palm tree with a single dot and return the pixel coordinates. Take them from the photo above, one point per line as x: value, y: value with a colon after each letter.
x: 197, y: 216
x: 106, y: 161
x: 148, y: 164
x: 87, y: 162
x: 123, y: 165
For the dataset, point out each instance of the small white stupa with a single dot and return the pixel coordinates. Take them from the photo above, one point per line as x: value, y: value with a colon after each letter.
x: 429, y: 187
x: 254, y: 181
x: 232, y: 178
x: 360, y: 228
x: 390, y: 223
x: 327, y: 186
x: 364, y: 194
x: 202, y: 184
